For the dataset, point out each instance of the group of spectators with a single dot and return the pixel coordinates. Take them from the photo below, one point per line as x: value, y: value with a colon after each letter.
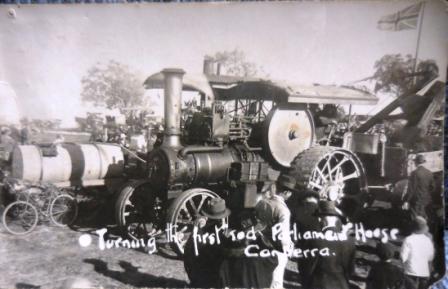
x: 225, y: 264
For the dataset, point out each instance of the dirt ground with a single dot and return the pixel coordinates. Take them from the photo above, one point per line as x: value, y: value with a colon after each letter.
x: 52, y: 257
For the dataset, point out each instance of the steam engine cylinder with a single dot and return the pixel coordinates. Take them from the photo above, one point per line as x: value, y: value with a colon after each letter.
x: 211, y: 167
x: 166, y: 167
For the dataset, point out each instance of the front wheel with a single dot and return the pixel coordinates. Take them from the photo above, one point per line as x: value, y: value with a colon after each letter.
x: 20, y: 218
x: 138, y: 211
x: 183, y: 213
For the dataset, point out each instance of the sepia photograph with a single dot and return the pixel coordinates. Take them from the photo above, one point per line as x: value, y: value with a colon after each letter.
x: 289, y: 144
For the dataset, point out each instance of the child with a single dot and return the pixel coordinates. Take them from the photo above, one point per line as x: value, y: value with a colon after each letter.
x: 384, y: 274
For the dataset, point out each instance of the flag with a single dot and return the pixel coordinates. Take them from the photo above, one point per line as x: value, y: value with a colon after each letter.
x: 402, y: 20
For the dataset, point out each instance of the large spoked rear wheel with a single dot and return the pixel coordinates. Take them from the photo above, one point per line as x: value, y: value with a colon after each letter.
x: 63, y: 210
x: 20, y: 218
x: 336, y: 173
x: 183, y: 213
x: 138, y: 211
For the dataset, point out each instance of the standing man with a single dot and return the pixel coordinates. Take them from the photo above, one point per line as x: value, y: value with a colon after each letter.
x: 333, y: 271
x: 272, y: 210
x: 306, y: 220
x: 417, y: 253
x: 421, y: 186
x: 202, y: 266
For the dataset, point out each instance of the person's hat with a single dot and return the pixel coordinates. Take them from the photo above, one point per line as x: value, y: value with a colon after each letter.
x: 327, y: 208
x: 420, y: 225
x: 419, y: 159
x: 287, y: 181
x: 215, y: 209
x: 385, y: 251
x: 309, y: 194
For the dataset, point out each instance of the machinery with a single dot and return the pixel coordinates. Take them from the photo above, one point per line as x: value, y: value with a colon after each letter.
x: 245, y: 132
x: 388, y: 151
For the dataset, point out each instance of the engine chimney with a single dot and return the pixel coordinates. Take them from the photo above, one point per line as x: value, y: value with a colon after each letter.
x: 173, y: 97
x: 211, y: 67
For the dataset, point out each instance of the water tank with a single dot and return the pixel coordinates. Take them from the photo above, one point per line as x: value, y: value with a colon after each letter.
x: 73, y: 162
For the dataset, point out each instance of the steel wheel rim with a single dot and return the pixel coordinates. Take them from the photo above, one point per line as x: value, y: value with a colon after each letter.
x: 332, y: 173
x: 187, y: 214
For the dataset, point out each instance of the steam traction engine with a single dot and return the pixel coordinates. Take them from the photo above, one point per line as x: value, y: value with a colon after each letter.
x: 245, y: 133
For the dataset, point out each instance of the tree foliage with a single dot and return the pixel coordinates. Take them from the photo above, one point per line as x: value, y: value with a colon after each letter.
x: 112, y: 85
x: 234, y: 62
x: 395, y: 73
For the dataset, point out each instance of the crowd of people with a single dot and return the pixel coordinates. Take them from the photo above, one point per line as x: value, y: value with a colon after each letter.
x: 227, y: 264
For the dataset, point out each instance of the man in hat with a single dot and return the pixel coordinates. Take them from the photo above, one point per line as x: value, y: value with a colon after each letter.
x: 334, y: 270
x: 203, y: 268
x: 305, y: 220
x: 384, y: 274
x: 420, y: 188
x: 272, y: 211
x: 417, y: 253
x: 241, y: 271
x: 303, y: 204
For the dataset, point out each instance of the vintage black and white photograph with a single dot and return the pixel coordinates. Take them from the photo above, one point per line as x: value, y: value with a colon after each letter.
x: 223, y: 144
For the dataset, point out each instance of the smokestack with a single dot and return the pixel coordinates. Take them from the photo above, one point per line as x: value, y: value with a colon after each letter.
x: 173, y: 94
x: 211, y: 67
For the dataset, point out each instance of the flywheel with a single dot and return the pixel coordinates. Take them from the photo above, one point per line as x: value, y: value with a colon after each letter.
x: 287, y: 132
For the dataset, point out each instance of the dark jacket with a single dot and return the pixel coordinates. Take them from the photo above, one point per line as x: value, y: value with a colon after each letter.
x: 330, y: 272
x: 305, y: 218
x: 239, y: 271
x: 385, y: 275
x: 203, y: 270
x: 421, y: 186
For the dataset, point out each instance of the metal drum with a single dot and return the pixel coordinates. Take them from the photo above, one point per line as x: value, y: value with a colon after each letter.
x: 73, y: 162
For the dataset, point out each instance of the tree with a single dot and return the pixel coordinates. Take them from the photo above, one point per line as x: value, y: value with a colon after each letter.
x: 395, y: 73
x: 113, y: 86
x: 234, y: 62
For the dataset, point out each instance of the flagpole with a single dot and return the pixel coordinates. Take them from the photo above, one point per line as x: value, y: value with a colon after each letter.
x: 420, y: 24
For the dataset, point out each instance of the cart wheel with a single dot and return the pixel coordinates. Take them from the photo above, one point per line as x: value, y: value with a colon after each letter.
x: 183, y: 212
x: 63, y: 210
x: 20, y: 218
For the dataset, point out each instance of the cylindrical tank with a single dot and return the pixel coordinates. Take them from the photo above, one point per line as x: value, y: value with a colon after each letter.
x: 73, y: 162
x: 212, y: 167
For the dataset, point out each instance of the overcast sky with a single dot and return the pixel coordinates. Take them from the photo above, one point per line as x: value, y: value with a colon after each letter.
x: 46, y: 49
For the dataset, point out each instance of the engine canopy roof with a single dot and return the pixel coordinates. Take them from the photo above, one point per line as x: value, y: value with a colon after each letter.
x: 224, y: 87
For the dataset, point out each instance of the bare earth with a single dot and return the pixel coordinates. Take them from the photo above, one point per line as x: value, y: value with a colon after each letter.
x: 51, y: 257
